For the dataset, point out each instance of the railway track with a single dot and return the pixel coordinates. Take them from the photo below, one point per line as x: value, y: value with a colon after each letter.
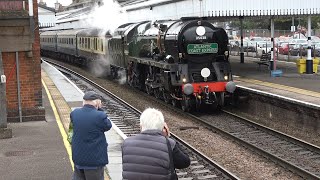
x: 296, y: 155
x: 126, y: 118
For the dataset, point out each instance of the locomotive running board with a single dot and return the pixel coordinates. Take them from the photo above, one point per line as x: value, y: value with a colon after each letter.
x: 152, y: 62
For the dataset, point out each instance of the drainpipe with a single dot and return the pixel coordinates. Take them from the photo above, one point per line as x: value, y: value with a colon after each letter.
x: 3, y: 103
x: 18, y: 82
x: 5, y: 132
x: 30, y: 3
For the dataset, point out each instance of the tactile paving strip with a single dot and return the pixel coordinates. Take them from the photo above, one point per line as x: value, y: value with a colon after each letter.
x: 63, y: 107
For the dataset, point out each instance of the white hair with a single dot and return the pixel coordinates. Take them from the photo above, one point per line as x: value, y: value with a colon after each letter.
x: 151, y: 119
x: 94, y: 103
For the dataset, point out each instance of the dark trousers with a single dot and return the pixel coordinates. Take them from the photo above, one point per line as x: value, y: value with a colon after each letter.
x: 88, y: 174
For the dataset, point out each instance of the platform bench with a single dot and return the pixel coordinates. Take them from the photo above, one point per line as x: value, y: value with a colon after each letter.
x: 264, y: 60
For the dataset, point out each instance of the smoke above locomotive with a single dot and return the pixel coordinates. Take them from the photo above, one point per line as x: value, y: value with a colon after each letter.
x: 102, y: 16
x: 184, y: 62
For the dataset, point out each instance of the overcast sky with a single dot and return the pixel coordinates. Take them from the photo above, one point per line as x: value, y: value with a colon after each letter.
x: 50, y: 3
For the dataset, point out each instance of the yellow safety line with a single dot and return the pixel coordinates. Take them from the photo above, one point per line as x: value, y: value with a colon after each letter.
x: 283, y: 87
x: 58, y: 120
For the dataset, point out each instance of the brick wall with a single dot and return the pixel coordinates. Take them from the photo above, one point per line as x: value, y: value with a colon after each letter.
x: 30, y: 80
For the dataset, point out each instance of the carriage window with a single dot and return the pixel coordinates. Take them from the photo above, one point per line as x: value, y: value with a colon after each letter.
x: 101, y: 45
x: 96, y: 44
x: 87, y: 42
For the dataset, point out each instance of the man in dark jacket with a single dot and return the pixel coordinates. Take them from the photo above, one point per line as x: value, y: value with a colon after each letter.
x: 146, y: 156
x: 89, y: 144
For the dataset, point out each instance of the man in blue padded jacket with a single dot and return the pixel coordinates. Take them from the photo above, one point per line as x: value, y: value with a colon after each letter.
x: 89, y: 144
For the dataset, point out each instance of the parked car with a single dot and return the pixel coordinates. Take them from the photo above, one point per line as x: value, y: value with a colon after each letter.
x: 263, y: 47
x: 249, y: 46
x: 315, y: 40
x: 234, y: 43
x: 300, y: 50
x: 317, y: 49
x: 294, y: 49
x: 298, y: 41
x: 284, y: 48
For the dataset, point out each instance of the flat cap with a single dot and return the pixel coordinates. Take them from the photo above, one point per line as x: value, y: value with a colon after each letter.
x: 91, y: 95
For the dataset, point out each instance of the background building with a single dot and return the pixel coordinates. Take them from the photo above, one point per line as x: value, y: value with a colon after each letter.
x: 20, y: 50
x: 47, y: 16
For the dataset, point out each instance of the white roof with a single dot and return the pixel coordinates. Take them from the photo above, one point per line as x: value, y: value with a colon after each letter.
x: 174, y: 9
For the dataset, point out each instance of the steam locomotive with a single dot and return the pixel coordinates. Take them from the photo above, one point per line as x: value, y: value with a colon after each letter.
x: 184, y: 62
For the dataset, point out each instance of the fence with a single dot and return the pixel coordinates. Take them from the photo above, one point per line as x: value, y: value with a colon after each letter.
x: 267, y: 33
x: 285, y: 55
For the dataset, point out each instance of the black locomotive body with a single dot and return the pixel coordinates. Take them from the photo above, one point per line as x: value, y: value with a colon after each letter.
x: 183, y: 62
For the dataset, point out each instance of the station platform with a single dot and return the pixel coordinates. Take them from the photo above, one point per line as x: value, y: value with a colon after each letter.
x: 300, y: 87
x: 40, y: 150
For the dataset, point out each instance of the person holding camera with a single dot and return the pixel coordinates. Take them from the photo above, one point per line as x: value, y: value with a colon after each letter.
x: 89, y: 145
x: 152, y: 154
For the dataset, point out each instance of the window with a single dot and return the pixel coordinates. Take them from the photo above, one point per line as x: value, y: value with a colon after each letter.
x: 96, y: 44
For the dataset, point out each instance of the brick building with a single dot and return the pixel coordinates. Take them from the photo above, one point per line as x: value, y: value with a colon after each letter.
x: 20, y: 47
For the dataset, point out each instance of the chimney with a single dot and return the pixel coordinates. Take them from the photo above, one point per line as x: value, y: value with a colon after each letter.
x: 57, y: 6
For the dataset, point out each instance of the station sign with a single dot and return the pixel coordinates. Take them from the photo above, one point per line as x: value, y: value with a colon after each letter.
x: 202, y: 48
